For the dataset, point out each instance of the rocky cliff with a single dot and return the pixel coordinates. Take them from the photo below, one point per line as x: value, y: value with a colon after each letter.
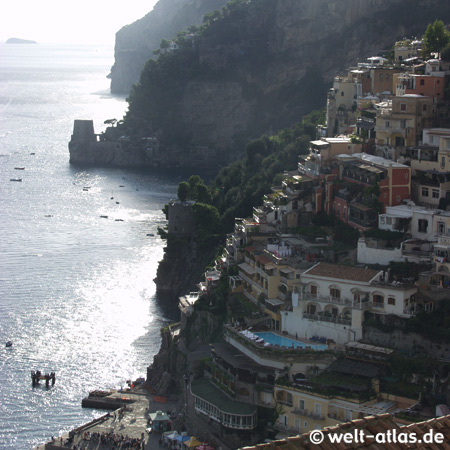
x: 136, y: 42
x: 259, y: 66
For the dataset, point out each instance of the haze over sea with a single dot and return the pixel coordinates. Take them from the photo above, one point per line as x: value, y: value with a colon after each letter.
x: 76, y: 289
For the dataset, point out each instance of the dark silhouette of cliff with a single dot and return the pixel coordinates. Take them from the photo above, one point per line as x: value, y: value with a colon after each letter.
x: 136, y: 42
x: 256, y: 67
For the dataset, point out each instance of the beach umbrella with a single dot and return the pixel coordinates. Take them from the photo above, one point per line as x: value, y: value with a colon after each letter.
x: 192, y: 442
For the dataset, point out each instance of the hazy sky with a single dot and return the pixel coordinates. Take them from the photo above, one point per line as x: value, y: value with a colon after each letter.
x: 69, y: 21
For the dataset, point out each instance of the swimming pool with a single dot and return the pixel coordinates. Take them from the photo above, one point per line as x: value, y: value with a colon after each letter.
x: 282, y: 341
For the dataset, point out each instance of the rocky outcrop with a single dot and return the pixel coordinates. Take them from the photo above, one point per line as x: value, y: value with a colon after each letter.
x: 182, y: 266
x: 136, y: 42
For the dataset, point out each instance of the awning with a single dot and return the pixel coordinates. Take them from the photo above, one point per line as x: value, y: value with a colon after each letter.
x: 247, y: 268
x: 275, y: 301
x: 270, y: 266
x: 286, y: 270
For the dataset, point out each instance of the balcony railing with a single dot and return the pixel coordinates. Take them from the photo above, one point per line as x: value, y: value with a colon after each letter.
x: 336, y: 301
x: 306, y: 413
x: 323, y: 318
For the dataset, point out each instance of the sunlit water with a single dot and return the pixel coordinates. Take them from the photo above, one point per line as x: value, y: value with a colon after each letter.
x: 76, y: 289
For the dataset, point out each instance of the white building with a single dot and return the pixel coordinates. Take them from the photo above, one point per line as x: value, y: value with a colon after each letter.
x: 334, y: 299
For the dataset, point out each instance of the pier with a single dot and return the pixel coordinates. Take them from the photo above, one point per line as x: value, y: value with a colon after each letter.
x: 37, y: 376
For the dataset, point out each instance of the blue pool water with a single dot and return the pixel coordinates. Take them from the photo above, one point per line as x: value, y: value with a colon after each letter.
x: 282, y: 341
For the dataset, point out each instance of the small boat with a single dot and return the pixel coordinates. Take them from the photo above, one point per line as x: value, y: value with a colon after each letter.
x: 119, y: 220
x: 150, y: 234
x: 32, y: 153
x: 48, y: 215
x: 121, y: 185
x: 15, y: 179
x: 117, y: 203
x: 9, y: 344
x: 103, y: 217
x: 19, y: 168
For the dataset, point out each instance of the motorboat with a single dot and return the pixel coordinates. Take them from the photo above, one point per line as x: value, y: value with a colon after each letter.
x: 9, y: 344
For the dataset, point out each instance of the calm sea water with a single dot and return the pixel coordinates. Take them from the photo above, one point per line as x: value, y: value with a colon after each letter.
x: 76, y: 289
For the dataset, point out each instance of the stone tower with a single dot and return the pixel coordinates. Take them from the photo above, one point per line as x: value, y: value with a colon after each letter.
x: 83, y: 131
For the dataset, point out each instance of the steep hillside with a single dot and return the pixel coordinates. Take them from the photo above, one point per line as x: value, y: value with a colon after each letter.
x: 256, y: 67
x: 135, y: 42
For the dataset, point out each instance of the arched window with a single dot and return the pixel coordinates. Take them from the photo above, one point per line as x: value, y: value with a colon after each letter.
x: 335, y: 291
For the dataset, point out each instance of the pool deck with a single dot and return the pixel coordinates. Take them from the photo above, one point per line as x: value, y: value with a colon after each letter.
x: 306, y: 342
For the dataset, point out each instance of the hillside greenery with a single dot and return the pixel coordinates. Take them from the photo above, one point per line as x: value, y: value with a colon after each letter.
x: 242, y: 185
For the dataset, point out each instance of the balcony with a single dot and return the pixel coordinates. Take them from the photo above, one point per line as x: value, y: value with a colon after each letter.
x: 336, y: 301
x: 322, y: 318
x: 306, y: 413
x: 246, y: 278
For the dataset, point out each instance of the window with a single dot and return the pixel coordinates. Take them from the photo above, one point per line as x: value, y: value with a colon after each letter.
x: 342, y: 93
x: 387, y: 124
x: 317, y: 409
x: 424, y: 192
x: 334, y: 292
x: 388, y: 220
x: 422, y: 82
x: 391, y: 301
x: 313, y: 289
x: 423, y: 225
x: 403, y: 123
x: 435, y: 193
x: 424, y: 107
x: 382, y: 219
x: 297, y: 424
x: 378, y: 300
x: 441, y: 228
x: 402, y: 106
x: 301, y: 405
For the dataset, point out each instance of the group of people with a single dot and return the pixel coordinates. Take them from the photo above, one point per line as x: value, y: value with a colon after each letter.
x: 115, y: 440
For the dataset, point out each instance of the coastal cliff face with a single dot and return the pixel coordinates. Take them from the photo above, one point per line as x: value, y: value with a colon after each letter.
x: 136, y: 42
x: 258, y: 68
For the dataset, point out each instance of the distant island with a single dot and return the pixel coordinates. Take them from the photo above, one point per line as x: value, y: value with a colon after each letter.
x: 19, y: 41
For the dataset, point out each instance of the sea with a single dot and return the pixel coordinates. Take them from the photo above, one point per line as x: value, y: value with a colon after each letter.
x: 78, y: 246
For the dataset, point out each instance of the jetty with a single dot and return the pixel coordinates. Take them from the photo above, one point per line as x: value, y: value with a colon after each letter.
x: 106, y: 400
x: 37, y: 376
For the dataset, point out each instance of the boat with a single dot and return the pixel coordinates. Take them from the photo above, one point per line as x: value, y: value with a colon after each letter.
x: 103, y: 217
x: 121, y: 185
x: 15, y: 179
x: 119, y: 220
x: 9, y: 344
x: 19, y: 168
x: 150, y: 234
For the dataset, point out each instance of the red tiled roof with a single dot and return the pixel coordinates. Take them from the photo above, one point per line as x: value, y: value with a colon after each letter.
x: 342, y: 272
x: 371, y: 426
x: 250, y: 248
x: 263, y: 259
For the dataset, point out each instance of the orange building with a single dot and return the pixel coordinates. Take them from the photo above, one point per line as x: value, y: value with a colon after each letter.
x: 425, y: 85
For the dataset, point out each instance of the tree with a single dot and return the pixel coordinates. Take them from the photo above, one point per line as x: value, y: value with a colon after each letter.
x: 183, y: 191
x: 436, y: 37
x: 164, y: 45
